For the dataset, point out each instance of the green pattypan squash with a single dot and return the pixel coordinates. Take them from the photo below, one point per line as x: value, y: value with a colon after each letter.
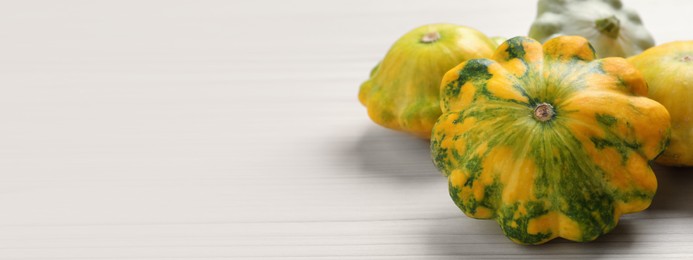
x: 612, y: 29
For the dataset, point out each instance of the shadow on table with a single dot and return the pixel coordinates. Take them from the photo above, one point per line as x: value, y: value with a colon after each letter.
x: 674, y: 191
x: 392, y: 154
x: 475, y: 238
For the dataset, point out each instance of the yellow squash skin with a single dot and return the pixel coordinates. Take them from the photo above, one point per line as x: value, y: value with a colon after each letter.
x: 547, y: 140
x: 668, y: 70
x: 402, y: 92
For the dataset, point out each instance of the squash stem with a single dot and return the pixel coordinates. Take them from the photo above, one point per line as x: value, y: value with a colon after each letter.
x: 430, y: 37
x: 544, y: 112
x: 608, y: 26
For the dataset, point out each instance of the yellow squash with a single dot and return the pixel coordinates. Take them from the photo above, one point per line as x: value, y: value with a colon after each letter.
x: 668, y: 70
x: 402, y: 92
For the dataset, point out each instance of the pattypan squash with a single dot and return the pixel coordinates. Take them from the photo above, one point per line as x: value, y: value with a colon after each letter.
x: 548, y: 140
x: 613, y: 30
x: 668, y: 70
x: 402, y: 92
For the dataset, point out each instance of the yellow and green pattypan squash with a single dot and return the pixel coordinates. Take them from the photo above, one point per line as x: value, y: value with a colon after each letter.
x: 402, y: 92
x: 668, y: 70
x: 548, y: 140
x: 613, y: 30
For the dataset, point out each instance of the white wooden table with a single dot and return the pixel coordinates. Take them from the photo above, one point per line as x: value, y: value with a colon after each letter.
x: 231, y: 130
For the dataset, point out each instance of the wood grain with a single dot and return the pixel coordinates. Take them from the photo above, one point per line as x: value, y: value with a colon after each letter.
x: 231, y: 130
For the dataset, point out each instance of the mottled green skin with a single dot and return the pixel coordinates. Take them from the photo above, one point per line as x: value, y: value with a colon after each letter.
x: 566, y: 179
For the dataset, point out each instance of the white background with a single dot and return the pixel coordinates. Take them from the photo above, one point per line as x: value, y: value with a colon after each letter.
x: 230, y: 129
